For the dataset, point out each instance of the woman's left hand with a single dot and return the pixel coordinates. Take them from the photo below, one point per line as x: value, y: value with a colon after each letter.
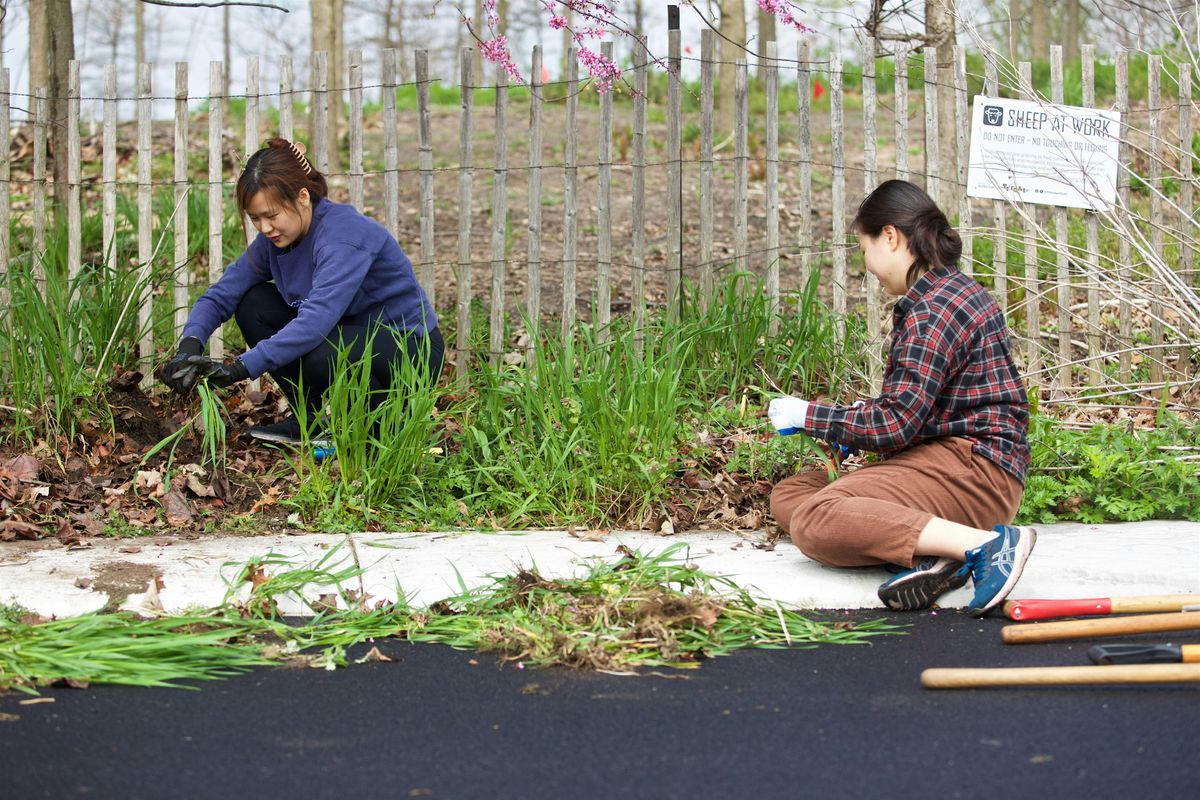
x: 218, y: 373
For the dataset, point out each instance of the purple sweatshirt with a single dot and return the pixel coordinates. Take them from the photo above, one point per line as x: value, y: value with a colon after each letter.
x: 347, y: 270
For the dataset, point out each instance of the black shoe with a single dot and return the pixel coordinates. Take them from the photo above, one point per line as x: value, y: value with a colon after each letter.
x: 287, y: 431
x: 918, y: 587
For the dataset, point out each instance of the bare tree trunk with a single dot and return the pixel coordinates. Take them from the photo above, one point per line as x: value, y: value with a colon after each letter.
x: 766, y: 33
x: 51, y: 48
x: 1074, y: 32
x: 327, y: 18
x: 733, y: 47
x: 139, y: 34
x: 1039, y: 35
x: 1014, y: 29
x: 939, y: 32
x: 228, y: 56
x: 480, y: 27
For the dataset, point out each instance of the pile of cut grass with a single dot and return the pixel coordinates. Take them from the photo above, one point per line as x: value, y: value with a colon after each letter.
x: 635, y: 613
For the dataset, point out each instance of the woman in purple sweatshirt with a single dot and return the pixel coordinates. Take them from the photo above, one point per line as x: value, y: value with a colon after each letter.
x: 318, y: 275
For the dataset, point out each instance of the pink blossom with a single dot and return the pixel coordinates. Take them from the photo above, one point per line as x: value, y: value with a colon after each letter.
x: 557, y: 22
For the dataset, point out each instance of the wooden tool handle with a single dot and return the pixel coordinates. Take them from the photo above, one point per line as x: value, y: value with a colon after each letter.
x: 1150, y: 603
x: 1191, y: 653
x: 1109, y: 626
x: 1059, y: 676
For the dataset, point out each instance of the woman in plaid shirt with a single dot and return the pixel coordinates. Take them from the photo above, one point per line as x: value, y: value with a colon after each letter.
x: 950, y: 425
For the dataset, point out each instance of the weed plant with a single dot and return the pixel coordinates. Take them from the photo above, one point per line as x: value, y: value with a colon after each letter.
x: 1111, y: 472
x: 59, y: 339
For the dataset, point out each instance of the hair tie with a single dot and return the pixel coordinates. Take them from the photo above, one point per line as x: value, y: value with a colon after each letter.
x: 296, y: 151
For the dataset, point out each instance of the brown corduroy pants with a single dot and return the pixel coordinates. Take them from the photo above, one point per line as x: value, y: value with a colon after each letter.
x: 874, y: 514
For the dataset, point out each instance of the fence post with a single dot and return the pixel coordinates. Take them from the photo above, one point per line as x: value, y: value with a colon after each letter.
x: 570, y: 214
x: 145, y: 216
x: 674, y: 168
x: 741, y: 163
x: 932, y: 153
x: 999, y: 207
x: 604, y: 209
x: 901, y: 100
x: 638, y: 278
x: 74, y: 176
x: 108, y: 164
x: 5, y: 174
x: 251, y: 131
x: 1061, y: 244
x: 462, y: 334
x: 1125, y: 269
x: 1187, y: 251
x: 319, y: 119
x: 870, y: 178
x: 966, y: 222
x: 499, y: 216
x: 839, y: 193
x: 708, y: 39
x: 1154, y: 130
x: 533, y: 307
x: 425, y: 166
x: 286, y: 79
x: 181, y: 275
x: 216, y: 195
x: 355, y: 75
x: 41, y: 122
x: 1033, y: 321
x: 772, y: 177
x: 804, y: 102
x: 1092, y: 232
x: 391, y: 152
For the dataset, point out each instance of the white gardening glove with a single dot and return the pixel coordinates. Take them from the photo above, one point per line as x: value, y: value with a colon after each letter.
x: 788, y: 414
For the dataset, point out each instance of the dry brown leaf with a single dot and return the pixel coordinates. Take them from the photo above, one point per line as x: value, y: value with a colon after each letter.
x: 268, y: 499
x: 23, y: 468
x: 373, y: 655
x: 16, y: 529
x: 588, y: 536
x: 178, y: 510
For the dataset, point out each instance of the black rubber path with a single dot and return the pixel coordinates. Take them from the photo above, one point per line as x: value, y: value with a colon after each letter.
x: 835, y: 722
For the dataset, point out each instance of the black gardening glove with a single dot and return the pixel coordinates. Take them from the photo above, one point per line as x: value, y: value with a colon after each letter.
x: 179, y: 373
x: 219, y: 373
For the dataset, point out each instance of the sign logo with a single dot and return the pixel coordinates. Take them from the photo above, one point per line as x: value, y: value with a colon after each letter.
x: 993, y: 115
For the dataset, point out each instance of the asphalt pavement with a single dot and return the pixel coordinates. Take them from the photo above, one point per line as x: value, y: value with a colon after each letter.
x: 845, y: 721
x: 838, y: 721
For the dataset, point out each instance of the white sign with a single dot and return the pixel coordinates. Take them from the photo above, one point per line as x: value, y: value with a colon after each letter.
x: 1039, y: 153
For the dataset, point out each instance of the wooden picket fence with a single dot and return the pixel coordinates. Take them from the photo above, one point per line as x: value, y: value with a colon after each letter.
x: 1085, y: 284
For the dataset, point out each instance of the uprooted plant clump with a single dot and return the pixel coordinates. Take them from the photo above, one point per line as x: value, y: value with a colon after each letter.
x: 620, y: 617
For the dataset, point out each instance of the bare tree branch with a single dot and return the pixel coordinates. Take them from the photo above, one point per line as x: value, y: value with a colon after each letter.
x: 214, y: 4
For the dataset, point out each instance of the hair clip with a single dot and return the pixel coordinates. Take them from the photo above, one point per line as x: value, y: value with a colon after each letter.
x: 301, y: 158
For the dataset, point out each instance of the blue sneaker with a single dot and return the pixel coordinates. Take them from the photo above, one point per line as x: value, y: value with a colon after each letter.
x: 917, y: 588
x: 996, y: 566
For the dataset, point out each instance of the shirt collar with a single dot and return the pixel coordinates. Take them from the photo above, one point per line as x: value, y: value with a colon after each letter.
x: 919, y: 289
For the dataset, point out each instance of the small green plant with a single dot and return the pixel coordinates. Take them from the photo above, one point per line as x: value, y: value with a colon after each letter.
x: 1111, y: 472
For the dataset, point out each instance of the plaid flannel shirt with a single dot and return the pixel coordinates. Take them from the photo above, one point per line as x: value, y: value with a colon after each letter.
x: 949, y: 373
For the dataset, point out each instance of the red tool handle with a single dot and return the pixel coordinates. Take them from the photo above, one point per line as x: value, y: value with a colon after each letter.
x: 1026, y: 610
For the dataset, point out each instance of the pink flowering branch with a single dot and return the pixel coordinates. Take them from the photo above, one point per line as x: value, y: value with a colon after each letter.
x: 596, y: 20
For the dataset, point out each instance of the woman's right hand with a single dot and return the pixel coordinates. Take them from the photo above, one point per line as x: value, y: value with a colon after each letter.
x: 180, y: 374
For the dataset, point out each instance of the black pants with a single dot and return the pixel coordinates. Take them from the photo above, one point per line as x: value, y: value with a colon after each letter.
x: 262, y: 313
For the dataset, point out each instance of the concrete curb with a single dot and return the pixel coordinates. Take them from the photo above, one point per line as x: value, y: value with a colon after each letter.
x: 1071, y: 560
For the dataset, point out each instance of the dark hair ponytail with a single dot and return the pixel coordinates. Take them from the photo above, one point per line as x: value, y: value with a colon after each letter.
x: 912, y: 212
x: 281, y: 168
